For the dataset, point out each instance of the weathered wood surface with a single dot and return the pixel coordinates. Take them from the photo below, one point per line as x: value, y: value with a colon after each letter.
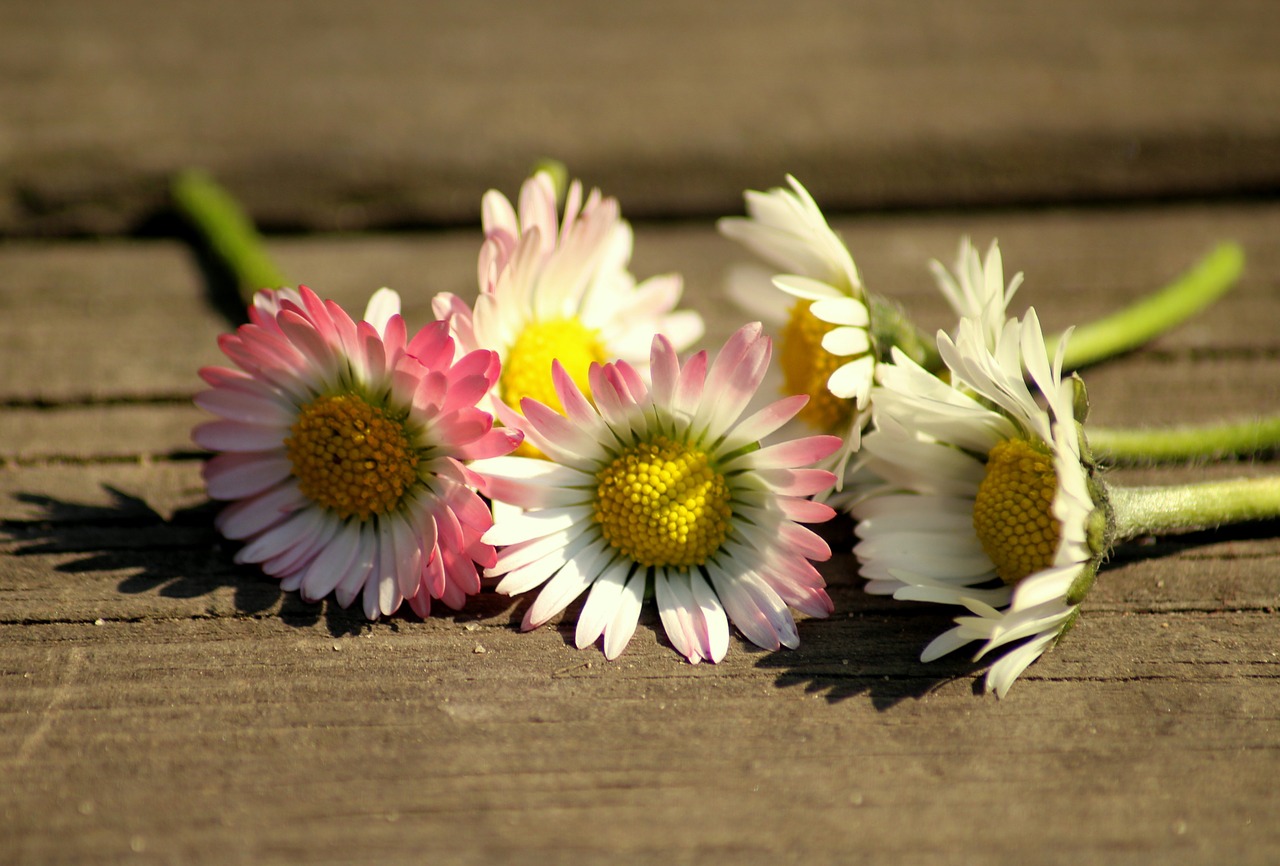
x: 334, y: 115
x: 160, y: 704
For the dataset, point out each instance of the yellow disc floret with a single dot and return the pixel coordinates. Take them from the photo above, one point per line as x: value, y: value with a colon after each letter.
x: 526, y: 372
x: 350, y: 457
x: 1013, y: 512
x: 662, y: 503
x: 806, y: 366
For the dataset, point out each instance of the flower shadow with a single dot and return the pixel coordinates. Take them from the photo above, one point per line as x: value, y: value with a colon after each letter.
x: 870, y: 647
x: 179, y: 557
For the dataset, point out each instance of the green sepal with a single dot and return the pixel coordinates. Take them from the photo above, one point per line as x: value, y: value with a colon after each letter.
x: 1082, y: 584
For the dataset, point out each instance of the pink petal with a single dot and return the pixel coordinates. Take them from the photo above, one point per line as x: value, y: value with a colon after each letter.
x: 741, y: 350
x: 481, y: 362
x: 460, y: 428
x: 407, y: 552
x: 576, y: 406
x: 689, y: 387
x: 803, y: 541
x: 764, y: 422
x: 421, y: 603
x: 372, y: 352
x: 236, y: 475
x: 796, y: 482
x: 554, y: 427
x: 498, y: 442
x: 432, y: 346
x: 256, y: 514
x: 664, y: 370
x: 239, y: 437
x: 319, y: 355
x: 465, y: 393
x: 743, y: 610
x: 248, y: 408
x: 470, y: 510
x: 431, y: 391
x: 788, y: 455
x: 805, y: 510
x: 634, y: 383
x: 610, y: 397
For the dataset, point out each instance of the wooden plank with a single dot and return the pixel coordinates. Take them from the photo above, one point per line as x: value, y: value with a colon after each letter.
x: 329, y: 116
x: 141, y: 322
x: 289, y: 742
x: 158, y: 702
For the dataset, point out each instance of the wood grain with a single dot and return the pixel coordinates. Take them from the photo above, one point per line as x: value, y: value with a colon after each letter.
x: 160, y: 704
x: 327, y: 115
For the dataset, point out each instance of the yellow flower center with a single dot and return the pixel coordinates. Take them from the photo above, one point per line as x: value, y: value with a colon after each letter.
x: 1013, y: 512
x: 527, y: 369
x: 806, y: 366
x: 350, y: 457
x: 662, y: 503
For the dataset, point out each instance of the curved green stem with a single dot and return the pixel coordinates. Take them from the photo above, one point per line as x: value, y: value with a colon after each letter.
x: 227, y: 231
x: 1172, y: 510
x: 1146, y: 319
x: 1184, y: 443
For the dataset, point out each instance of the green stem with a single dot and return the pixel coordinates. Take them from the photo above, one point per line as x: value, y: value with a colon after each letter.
x: 1146, y: 319
x: 1184, y: 443
x: 892, y: 327
x: 1171, y: 510
x: 227, y: 231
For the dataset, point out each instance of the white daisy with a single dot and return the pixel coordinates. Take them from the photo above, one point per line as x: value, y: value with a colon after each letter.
x: 991, y: 503
x: 560, y: 290
x: 663, y: 486
x: 976, y: 289
x: 825, y: 346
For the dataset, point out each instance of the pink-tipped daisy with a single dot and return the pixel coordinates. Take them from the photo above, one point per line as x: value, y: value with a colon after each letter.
x: 560, y: 290
x: 665, y: 486
x: 343, y: 447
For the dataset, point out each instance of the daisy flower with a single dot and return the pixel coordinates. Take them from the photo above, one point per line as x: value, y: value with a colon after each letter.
x: 991, y: 500
x: 342, y: 449
x: 559, y: 289
x: 832, y: 333
x: 665, y: 487
x: 826, y: 348
x: 991, y: 497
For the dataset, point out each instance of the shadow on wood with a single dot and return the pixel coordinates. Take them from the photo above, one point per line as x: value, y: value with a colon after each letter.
x: 178, y: 558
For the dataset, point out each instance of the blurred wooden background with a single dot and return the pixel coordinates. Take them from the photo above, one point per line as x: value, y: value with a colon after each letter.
x: 159, y: 704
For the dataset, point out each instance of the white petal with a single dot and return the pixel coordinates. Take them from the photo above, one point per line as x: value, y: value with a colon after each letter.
x: 536, y: 524
x: 601, y: 604
x: 617, y: 634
